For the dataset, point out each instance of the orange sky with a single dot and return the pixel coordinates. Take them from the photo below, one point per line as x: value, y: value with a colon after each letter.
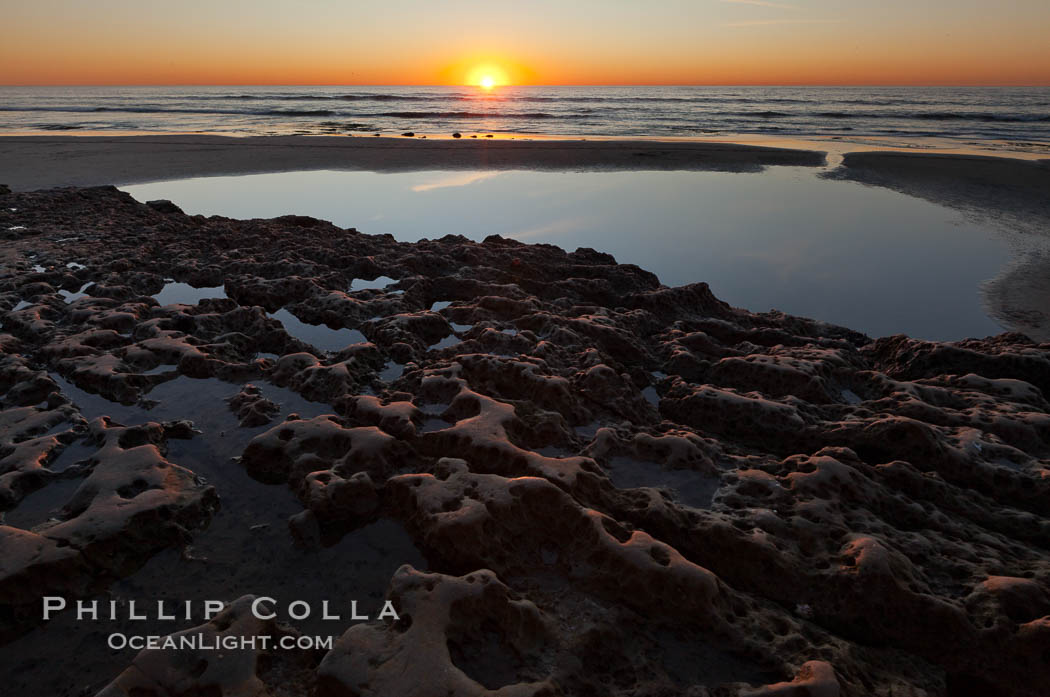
x: 541, y: 42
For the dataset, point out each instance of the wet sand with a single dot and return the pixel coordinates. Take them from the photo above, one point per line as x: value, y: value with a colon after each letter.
x: 35, y: 162
x: 1010, y: 194
x: 1015, y: 185
x: 1017, y: 190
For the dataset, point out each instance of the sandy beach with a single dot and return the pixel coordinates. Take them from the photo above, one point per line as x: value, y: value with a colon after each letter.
x: 1013, y: 187
x: 34, y: 162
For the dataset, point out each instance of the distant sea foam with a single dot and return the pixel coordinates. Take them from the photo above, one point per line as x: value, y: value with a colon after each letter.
x: 1020, y: 115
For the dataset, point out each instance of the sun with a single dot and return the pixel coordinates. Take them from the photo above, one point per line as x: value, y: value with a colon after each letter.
x: 487, y: 76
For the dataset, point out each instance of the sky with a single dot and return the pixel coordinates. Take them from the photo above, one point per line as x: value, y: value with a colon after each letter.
x: 590, y: 42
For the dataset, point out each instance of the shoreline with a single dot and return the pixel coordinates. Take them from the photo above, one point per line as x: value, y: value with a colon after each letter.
x: 1012, y: 192
x: 36, y: 162
x: 1007, y: 193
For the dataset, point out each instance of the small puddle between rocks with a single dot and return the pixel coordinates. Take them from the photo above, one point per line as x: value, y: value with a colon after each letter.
x: 185, y: 294
x: 375, y: 284
x: 651, y: 396
x: 450, y: 340
x: 318, y: 335
x: 162, y: 368
x: 41, y: 505
x: 391, y: 371
x: 71, y: 455
x: 70, y: 296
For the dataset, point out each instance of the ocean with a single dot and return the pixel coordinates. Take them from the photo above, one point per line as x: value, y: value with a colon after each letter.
x: 1019, y: 116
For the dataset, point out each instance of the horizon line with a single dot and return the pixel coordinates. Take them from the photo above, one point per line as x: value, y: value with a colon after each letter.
x: 532, y: 84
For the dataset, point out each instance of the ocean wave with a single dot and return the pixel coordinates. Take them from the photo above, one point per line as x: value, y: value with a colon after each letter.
x: 347, y: 125
x: 905, y: 116
x: 301, y: 112
x: 156, y: 110
x: 1006, y: 118
x: 333, y: 98
x: 498, y: 96
x: 938, y: 116
x: 444, y: 115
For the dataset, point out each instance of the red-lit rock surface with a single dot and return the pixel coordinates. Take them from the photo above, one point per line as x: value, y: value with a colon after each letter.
x: 619, y: 488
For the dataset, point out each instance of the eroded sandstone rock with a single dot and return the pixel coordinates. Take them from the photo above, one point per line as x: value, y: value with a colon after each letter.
x: 653, y: 492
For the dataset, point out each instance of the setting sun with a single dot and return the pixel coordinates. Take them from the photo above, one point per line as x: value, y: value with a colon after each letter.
x: 487, y: 75
x: 481, y: 70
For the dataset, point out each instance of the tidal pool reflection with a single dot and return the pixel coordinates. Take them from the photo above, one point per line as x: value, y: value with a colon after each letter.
x: 871, y: 259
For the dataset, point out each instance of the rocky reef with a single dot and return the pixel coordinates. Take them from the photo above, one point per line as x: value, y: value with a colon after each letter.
x: 568, y: 478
